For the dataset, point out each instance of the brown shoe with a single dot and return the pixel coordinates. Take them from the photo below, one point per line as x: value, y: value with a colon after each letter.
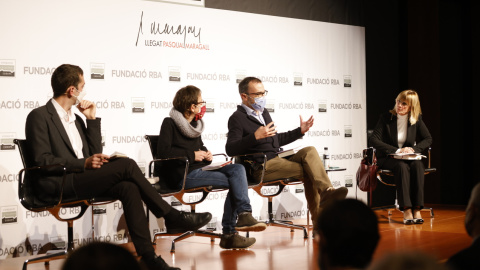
x: 236, y: 241
x: 333, y: 194
x: 247, y: 223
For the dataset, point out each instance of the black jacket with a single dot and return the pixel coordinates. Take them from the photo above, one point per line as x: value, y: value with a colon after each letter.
x: 48, y: 144
x: 385, y: 136
x: 241, y: 135
x: 172, y: 143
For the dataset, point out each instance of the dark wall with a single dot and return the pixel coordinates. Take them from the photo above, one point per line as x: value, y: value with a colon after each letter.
x: 427, y: 45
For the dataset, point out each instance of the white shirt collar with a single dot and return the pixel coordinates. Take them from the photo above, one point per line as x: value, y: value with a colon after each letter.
x: 250, y: 111
x: 68, y: 117
x: 254, y: 114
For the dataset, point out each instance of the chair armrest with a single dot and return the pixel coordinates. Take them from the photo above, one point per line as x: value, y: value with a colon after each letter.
x: 21, y: 183
x: 185, y: 159
x: 235, y: 158
x: 222, y: 154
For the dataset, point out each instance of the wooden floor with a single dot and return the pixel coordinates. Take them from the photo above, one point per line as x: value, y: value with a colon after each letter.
x: 278, y: 248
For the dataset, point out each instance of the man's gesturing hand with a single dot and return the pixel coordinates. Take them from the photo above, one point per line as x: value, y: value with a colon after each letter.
x: 96, y: 161
x: 265, y: 131
x: 306, y: 125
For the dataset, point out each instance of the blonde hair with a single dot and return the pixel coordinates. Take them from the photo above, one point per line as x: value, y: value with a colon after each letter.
x: 411, y: 98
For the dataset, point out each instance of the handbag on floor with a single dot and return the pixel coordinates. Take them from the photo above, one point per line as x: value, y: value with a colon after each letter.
x: 367, y: 171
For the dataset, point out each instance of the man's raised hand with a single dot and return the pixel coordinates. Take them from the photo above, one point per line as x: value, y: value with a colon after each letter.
x: 265, y: 131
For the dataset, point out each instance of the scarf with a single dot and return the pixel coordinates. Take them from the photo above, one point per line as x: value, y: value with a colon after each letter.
x: 186, y: 128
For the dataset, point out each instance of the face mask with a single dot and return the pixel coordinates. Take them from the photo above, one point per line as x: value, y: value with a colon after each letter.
x: 259, y: 104
x: 199, y: 115
x: 80, y: 97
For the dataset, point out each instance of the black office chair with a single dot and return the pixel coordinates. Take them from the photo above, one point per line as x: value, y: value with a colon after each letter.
x: 384, y: 172
x: 166, y: 189
x: 247, y: 161
x: 29, y: 199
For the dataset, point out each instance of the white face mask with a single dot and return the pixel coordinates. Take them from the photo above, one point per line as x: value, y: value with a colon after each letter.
x: 80, y: 96
x: 259, y: 104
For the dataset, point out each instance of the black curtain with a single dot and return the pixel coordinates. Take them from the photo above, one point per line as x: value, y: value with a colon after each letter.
x: 430, y: 46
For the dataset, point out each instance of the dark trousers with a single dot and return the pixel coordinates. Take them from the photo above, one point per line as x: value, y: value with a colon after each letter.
x: 123, y: 180
x: 409, y: 178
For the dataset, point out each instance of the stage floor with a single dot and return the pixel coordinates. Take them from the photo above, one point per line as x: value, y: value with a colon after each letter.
x: 278, y: 248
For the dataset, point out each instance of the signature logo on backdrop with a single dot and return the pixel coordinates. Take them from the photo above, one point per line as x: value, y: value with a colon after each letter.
x: 240, y: 75
x: 270, y: 106
x: 9, y: 214
x: 158, y: 34
x: 348, y: 180
x: 348, y: 131
x: 174, y: 74
x: 138, y: 104
x: 97, y: 71
x: 322, y: 106
x: 7, y: 68
x: 104, y: 136
x: 297, y: 79
x: 6, y: 141
x: 347, y: 81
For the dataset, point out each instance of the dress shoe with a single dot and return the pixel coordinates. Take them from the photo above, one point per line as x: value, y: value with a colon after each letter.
x: 418, y: 220
x: 187, y: 222
x: 408, y: 221
x: 333, y: 194
x: 157, y: 263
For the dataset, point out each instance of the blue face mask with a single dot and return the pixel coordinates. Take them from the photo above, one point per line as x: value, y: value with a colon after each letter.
x: 259, y: 104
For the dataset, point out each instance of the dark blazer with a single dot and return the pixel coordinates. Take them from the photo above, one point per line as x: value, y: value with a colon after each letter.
x: 466, y: 259
x: 241, y: 135
x: 385, y: 136
x: 48, y: 144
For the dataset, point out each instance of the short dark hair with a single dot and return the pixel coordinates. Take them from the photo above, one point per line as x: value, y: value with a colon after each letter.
x: 350, y: 231
x: 65, y: 76
x: 243, y: 85
x: 101, y: 256
x: 185, y: 97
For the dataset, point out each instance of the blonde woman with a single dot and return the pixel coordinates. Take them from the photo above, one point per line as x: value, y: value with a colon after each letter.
x: 402, y: 130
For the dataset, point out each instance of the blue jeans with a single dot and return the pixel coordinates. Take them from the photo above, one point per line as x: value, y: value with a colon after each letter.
x: 234, y: 178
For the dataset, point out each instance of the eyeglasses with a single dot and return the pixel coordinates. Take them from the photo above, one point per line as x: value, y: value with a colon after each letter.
x: 259, y: 94
x: 403, y: 103
x: 203, y: 103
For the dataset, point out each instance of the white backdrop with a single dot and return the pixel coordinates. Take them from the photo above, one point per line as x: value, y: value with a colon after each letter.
x: 136, y: 54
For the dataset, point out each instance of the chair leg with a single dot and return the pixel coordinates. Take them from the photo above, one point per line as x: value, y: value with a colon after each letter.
x: 387, y: 208
x: 70, y: 236
x: 93, y: 225
x: 46, y: 259
x: 308, y: 218
x: 184, y: 235
x: 429, y: 209
x: 189, y: 234
x: 282, y: 223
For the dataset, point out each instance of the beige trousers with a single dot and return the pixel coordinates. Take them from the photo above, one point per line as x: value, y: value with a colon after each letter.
x: 305, y: 164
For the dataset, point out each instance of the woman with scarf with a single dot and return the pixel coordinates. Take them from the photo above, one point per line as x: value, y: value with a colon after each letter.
x: 180, y: 135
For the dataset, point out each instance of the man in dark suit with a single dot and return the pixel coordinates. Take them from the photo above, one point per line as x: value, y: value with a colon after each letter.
x: 55, y: 135
x: 469, y: 257
x: 251, y: 130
